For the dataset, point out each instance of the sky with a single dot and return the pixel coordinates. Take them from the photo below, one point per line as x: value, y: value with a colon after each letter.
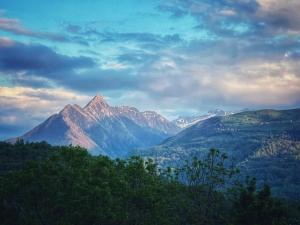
x: 176, y: 57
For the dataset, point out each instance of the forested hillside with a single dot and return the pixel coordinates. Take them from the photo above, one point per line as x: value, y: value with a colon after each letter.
x: 68, y: 186
x: 264, y: 144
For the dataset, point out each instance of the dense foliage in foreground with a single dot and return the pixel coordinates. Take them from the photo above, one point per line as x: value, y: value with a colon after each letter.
x: 66, y: 185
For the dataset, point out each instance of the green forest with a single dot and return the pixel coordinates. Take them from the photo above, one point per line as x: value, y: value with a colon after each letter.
x: 42, y: 184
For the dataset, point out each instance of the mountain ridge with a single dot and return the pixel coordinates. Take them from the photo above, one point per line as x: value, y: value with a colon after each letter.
x: 101, y: 128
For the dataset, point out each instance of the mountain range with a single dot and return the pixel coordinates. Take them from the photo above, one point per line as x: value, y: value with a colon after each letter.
x: 103, y: 129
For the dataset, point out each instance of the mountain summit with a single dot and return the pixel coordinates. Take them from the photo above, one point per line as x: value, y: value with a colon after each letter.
x: 98, y: 108
x: 97, y: 101
x: 103, y: 129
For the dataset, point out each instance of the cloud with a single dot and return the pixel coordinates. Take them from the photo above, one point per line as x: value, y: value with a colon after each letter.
x: 223, y: 17
x: 38, y: 60
x: 14, y: 26
x: 254, y: 83
x: 137, y: 57
x: 94, y: 80
x: 144, y: 39
x: 39, y: 66
x: 232, y: 73
x: 24, y: 107
x: 139, y: 37
x: 280, y: 16
x: 6, y: 42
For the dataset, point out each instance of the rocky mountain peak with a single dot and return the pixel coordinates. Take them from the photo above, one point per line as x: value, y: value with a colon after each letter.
x: 97, y: 101
x: 98, y: 107
x: 103, y: 129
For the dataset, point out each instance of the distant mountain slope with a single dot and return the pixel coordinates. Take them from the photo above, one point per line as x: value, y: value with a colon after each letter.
x: 263, y: 143
x: 103, y: 129
x: 238, y: 132
x: 187, y: 121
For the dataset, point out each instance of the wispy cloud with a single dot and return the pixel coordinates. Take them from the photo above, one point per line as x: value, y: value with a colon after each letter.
x: 15, y: 26
x: 143, y: 39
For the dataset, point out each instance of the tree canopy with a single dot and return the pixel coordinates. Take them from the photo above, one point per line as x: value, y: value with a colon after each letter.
x: 66, y: 185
